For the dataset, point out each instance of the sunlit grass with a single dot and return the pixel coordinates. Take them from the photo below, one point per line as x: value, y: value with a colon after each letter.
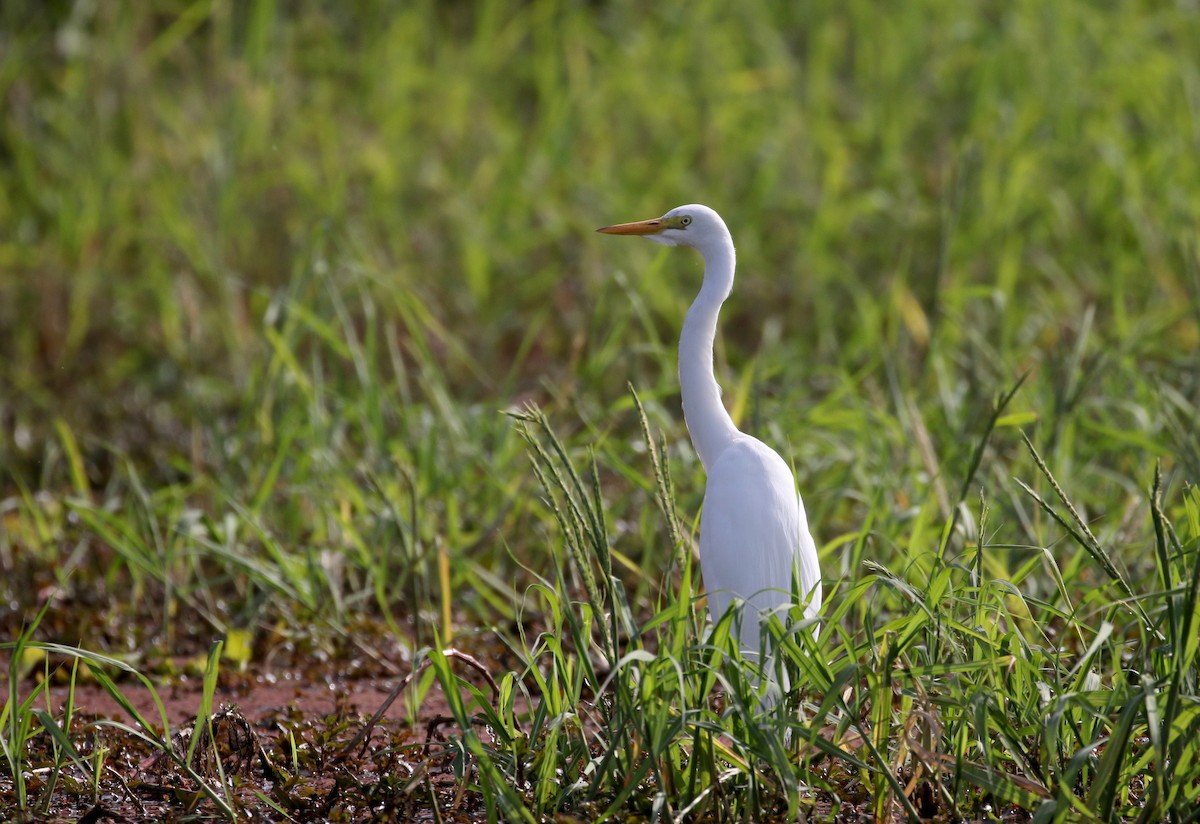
x: 278, y: 287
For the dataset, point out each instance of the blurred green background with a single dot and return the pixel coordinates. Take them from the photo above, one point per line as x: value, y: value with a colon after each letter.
x: 269, y: 272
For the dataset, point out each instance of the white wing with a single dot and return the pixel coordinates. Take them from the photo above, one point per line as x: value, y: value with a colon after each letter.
x: 753, y: 534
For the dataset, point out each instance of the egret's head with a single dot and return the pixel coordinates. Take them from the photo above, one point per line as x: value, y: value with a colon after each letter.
x: 692, y: 225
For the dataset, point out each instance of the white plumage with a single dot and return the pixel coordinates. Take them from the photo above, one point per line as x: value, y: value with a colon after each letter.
x: 753, y: 530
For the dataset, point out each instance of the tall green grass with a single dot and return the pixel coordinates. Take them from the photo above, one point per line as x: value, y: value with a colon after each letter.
x: 963, y: 695
x: 279, y: 283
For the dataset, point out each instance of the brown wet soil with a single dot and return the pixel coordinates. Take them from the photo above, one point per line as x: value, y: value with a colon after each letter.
x: 290, y: 745
x: 257, y: 696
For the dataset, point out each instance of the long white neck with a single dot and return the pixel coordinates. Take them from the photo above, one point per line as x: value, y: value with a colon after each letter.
x: 708, y: 423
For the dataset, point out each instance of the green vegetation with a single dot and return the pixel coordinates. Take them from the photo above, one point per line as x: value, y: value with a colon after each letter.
x: 294, y: 298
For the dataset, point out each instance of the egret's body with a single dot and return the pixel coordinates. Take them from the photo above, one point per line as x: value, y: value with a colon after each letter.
x: 753, y: 530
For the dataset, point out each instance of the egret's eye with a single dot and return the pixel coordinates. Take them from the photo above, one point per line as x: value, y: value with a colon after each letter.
x: 685, y: 220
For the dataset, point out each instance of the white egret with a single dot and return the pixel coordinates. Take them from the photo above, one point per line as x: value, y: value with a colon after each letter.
x: 754, y: 533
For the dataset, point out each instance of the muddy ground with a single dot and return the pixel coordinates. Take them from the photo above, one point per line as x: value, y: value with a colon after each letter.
x: 295, y: 744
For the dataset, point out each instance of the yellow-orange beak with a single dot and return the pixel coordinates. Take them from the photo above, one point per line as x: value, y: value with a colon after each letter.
x: 641, y: 227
